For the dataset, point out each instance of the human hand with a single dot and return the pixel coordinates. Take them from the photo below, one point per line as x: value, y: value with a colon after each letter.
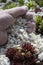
x: 8, y: 17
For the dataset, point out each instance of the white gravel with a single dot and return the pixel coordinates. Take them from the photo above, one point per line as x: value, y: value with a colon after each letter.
x: 19, y: 35
x: 4, y: 60
x: 40, y: 56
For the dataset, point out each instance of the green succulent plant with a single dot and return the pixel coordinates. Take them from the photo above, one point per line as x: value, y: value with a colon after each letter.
x: 40, y: 2
x: 11, y: 5
x: 42, y: 24
x: 38, y: 19
x: 21, y: 2
x: 31, y: 4
x: 39, y: 24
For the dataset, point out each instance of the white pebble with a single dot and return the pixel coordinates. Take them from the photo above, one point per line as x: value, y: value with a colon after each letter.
x: 4, y: 60
x: 40, y: 56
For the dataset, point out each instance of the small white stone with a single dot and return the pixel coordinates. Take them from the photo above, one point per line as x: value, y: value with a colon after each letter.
x: 38, y: 62
x: 40, y: 56
x: 21, y: 30
x: 4, y: 60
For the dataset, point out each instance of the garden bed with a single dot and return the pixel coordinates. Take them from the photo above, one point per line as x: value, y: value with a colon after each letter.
x: 25, y: 36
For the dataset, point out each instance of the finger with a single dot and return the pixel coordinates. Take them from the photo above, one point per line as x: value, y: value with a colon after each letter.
x: 6, y: 20
x: 3, y: 38
x: 29, y: 15
x: 15, y: 12
x: 31, y: 26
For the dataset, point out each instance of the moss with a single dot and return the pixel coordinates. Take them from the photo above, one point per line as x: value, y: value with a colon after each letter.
x: 11, y: 5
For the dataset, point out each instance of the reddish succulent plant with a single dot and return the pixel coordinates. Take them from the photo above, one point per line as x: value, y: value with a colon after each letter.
x: 10, y: 53
x: 28, y: 47
x: 25, y: 57
x: 17, y: 57
x: 12, y: 63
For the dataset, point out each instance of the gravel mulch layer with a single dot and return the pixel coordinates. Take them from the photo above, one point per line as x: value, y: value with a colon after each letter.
x: 19, y: 33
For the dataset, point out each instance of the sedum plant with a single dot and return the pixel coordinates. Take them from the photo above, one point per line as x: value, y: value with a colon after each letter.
x: 21, y: 2
x: 41, y: 28
x: 31, y: 4
x: 39, y: 2
x: 11, y: 5
x: 39, y: 24
x: 38, y: 19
